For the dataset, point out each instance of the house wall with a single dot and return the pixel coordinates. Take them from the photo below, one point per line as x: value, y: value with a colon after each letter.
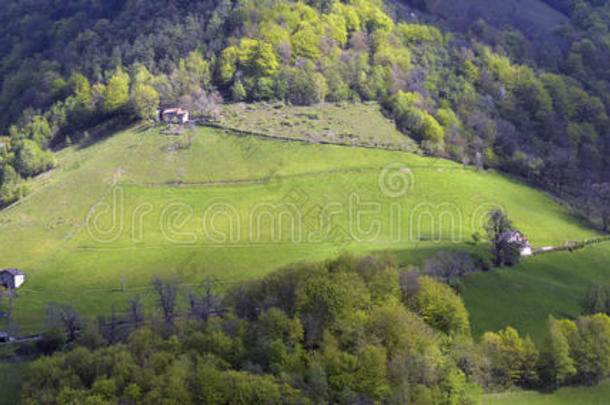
x: 182, y: 119
x: 19, y: 280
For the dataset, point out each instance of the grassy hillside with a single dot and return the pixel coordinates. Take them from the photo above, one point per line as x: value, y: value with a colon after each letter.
x: 597, y: 395
x: 346, y: 123
x: 171, y: 203
x: 523, y: 296
x: 11, y: 376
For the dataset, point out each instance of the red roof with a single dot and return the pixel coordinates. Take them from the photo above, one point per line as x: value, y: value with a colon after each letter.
x: 177, y: 111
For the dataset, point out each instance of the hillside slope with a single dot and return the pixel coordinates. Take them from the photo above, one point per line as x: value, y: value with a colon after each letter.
x: 482, y: 89
x: 523, y: 296
x: 140, y: 204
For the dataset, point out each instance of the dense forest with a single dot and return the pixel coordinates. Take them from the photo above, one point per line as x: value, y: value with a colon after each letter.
x: 528, y: 101
x: 345, y: 330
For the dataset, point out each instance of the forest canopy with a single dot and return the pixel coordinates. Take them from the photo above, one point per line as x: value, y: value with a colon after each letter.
x: 345, y: 330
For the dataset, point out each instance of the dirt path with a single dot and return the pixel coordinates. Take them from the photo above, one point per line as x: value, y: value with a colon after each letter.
x: 117, y: 176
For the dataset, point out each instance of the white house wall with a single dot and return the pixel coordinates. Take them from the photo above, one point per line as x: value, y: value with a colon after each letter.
x: 19, y: 280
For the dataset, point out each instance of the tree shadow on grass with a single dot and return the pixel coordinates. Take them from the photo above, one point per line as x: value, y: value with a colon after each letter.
x: 103, y: 131
x: 417, y: 254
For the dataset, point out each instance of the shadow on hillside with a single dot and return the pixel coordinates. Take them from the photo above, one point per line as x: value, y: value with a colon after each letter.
x: 102, y: 131
x: 578, y: 218
x: 570, y: 214
x: 417, y: 254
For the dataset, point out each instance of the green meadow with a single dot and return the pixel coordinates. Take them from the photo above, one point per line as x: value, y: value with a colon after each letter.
x: 345, y: 123
x: 11, y: 377
x: 597, y: 395
x: 523, y: 296
x: 138, y: 204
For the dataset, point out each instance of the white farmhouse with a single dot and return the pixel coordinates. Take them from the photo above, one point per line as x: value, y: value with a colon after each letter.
x: 175, y: 115
x: 518, y: 240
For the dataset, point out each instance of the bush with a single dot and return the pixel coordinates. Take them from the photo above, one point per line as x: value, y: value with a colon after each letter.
x: 441, y: 307
x: 12, y: 187
x: 51, y: 341
x: 30, y: 160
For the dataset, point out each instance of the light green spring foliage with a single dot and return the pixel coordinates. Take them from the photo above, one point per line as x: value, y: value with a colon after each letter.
x: 82, y: 89
x: 320, y: 341
x: 98, y: 91
x: 572, y: 352
x: 12, y: 185
x: 116, y: 93
x: 193, y: 73
x: 441, y: 307
x: 31, y: 160
x: 420, y: 34
x: 407, y: 108
x: 555, y: 353
x: 140, y: 75
x: 145, y: 101
x: 255, y: 57
x: 512, y: 357
x: 238, y: 92
x: 288, y: 33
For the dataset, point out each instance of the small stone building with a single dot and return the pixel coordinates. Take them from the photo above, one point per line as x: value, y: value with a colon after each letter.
x: 11, y: 278
x: 176, y: 115
x: 518, y: 240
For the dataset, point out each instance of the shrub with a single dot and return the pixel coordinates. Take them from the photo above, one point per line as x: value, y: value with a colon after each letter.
x: 30, y: 160
x: 51, y: 341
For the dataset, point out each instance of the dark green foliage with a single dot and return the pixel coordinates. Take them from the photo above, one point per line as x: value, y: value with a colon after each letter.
x: 497, y: 228
x: 597, y: 299
x: 52, y: 340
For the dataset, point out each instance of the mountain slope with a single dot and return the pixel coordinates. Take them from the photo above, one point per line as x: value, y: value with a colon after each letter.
x: 167, y: 221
